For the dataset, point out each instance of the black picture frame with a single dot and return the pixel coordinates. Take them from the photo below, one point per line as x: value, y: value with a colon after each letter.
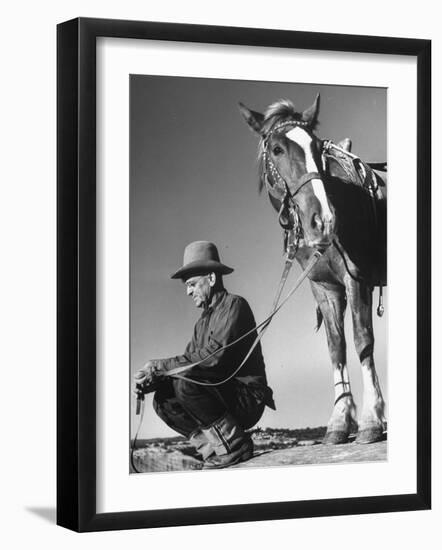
x: 76, y: 274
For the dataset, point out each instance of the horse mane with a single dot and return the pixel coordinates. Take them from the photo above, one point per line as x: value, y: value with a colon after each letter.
x: 279, y: 111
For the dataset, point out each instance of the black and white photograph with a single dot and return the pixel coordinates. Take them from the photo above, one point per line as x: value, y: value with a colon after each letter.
x: 258, y: 274
x: 221, y: 255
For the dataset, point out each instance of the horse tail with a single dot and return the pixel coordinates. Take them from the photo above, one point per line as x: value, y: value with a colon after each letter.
x: 319, y: 318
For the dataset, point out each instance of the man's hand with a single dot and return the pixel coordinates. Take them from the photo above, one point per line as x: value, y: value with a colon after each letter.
x: 147, y: 375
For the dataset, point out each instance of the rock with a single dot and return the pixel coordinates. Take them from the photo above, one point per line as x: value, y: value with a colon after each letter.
x: 159, y: 460
x: 319, y: 454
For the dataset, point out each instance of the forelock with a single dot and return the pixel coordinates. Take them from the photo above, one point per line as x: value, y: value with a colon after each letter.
x: 280, y: 111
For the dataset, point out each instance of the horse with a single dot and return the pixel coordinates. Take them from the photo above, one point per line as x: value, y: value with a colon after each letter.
x: 328, y: 200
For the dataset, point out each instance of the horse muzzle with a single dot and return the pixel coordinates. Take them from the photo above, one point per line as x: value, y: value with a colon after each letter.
x: 321, y: 246
x: 320, y: 234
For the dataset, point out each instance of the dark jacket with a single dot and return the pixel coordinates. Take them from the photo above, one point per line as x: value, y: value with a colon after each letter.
x: 228, y: 318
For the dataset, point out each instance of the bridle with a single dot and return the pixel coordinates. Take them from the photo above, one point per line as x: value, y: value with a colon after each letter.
x: 278, y: 188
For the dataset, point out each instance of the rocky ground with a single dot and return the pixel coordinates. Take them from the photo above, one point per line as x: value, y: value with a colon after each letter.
x: 319, y: 454
x: 274, y: 450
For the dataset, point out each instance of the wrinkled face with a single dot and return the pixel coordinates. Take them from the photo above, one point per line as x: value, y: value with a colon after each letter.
x: 296, y: 153
x: 200, y: 289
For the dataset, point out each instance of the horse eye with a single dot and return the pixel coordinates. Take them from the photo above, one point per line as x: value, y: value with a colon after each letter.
x: 277, y: 150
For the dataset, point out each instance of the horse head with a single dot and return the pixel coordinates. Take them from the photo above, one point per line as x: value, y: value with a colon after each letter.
x: 291, y: 167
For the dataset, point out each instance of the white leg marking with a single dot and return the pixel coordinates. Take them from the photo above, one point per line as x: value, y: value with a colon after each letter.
x: 301, y: 137
x: 373, y: 402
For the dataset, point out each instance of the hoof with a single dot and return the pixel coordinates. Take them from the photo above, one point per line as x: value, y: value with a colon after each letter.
x: 370, y: 435
x: 335, y: 438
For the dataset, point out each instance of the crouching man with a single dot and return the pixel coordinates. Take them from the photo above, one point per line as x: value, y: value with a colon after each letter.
x: 210, y: 403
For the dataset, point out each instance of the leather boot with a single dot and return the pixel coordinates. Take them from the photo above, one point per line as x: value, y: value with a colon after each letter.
x: 202, y: 445
x: 229, y: 441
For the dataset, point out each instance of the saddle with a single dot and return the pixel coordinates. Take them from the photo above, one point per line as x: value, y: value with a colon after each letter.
x: 340, y: 163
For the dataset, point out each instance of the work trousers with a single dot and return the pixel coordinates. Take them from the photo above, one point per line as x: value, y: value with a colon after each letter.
x: 186, y: 407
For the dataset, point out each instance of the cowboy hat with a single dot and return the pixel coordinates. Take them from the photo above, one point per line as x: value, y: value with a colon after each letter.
x: 201, y: 257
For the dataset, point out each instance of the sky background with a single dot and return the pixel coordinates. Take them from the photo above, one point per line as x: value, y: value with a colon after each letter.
x: 194, y: 176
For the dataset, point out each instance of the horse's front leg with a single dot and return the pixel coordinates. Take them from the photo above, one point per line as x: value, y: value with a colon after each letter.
x: 331, y: 302
x: 372, y: 420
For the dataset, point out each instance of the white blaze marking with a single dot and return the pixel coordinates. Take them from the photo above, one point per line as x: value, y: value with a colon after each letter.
x: 302, y: 138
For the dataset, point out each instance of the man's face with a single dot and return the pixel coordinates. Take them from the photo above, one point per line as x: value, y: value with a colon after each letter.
x: 199, y: 288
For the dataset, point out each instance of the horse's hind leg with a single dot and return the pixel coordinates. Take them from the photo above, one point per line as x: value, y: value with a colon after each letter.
x: 371, y: 423
x: 331, y: 301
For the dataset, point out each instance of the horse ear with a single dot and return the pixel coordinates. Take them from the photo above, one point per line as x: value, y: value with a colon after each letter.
x: 311, y: 114
x: 253, y: 118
